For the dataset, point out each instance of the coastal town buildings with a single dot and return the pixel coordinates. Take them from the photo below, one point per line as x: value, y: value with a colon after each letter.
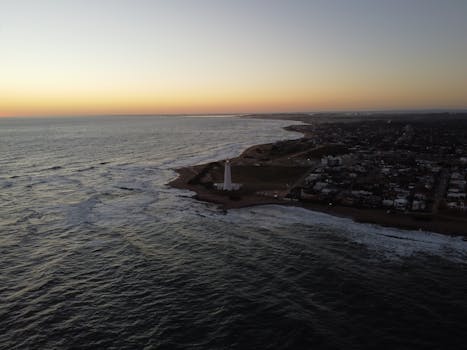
x: 411, y: 168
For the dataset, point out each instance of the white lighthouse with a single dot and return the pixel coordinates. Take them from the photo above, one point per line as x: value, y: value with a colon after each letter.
x: 227, y: 185
x: 227, y: 177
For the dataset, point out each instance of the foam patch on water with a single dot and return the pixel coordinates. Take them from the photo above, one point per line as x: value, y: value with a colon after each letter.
x: 234, y: 149
x: 80, y: 212
x: 389, y: 241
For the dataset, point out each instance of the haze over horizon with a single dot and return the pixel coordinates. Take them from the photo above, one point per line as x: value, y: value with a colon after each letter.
x: 183, y: 57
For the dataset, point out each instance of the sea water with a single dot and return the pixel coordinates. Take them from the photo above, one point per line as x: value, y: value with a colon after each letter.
x: 97, y: 252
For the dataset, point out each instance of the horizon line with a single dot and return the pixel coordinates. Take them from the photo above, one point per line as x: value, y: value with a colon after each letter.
x: 221, y: 114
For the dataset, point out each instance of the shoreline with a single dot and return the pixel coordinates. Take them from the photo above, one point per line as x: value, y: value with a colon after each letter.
x: 188, y: 177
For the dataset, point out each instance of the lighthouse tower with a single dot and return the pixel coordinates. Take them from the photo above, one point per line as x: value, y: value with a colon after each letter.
x: 227, y: 177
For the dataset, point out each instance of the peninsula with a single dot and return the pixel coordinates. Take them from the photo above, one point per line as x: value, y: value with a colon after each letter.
x: 400, y: 170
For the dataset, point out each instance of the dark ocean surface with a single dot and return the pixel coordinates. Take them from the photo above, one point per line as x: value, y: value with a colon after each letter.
x: 96, y: 252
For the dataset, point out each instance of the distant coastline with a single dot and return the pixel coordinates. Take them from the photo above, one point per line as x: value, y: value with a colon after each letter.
x: 260, y: 163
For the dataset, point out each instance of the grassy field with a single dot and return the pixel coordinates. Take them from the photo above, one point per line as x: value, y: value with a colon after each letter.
x: 263, y: 177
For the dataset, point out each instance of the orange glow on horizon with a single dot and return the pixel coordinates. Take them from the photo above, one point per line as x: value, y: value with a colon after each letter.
x: 158, y: 57
x: 225, y: 101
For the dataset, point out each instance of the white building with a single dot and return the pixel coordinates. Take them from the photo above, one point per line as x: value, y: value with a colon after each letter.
x: 400, y: 203
x: 227, y: 177
x: 331, y: 161
x: 227, y: 185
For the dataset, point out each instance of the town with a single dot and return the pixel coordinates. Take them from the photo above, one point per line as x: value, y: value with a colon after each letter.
x: 411, y: 167
x: 385, y: 169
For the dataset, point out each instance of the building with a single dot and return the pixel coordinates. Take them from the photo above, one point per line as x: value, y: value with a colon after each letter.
x: 400, y: 203
x: 227, y: 185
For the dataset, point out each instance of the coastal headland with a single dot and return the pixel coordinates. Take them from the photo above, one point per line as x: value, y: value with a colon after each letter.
x: 399, y: 170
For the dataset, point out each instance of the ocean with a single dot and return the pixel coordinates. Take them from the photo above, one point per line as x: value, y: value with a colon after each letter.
x: 97, y: 252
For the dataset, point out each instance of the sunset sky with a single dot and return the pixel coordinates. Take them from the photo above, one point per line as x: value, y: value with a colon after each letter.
x: 86, y: 57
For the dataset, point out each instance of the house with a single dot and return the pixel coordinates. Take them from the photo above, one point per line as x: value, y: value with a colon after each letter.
x: 418, y: 205
x: 312, y: 177
x: 400, y: 203
x: 319, y: 186
x: 331, y: 161
x: 456, y: 196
